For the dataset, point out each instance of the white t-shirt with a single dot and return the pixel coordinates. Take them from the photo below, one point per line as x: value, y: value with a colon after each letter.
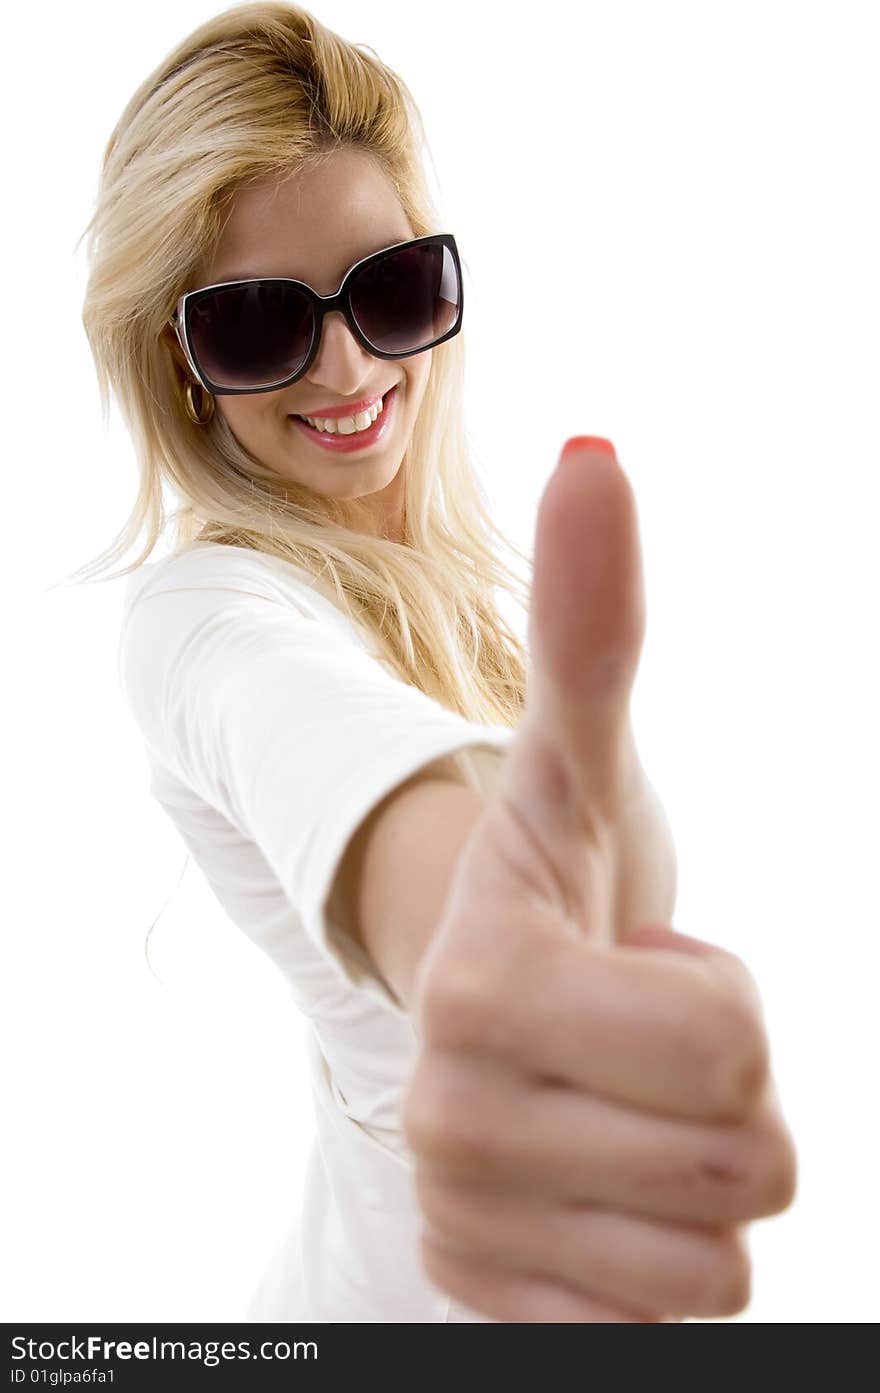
x: 272, y: 727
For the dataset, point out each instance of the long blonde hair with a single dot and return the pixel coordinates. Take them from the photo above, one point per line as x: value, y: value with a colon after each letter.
x: 261, y: 90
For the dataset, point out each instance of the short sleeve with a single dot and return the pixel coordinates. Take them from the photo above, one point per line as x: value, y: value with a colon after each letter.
x: 284, y: 724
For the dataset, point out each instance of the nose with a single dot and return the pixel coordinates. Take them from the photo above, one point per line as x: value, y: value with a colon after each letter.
x: 340, y: 361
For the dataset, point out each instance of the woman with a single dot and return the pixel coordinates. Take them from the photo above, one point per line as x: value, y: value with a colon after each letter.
x: 514, y: 1064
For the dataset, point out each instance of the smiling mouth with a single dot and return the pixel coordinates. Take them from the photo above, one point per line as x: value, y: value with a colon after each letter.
x: 382, y: 406
x: 343, y: 442
x: 350, y: 416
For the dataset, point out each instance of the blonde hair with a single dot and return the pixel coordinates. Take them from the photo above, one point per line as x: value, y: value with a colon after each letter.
x: 261, y: 90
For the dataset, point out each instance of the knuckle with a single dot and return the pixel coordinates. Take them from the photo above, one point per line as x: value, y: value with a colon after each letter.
x: 737, y: 1060
x: 778, y: 1170
x: 474, y: 1001
x: 436, y: 1202
x: 422, y: 1115
x: 438, y: 1262
x: 726, y: 1169
x: 733, y: 970
x: 454, y: 1008
x: 470, y: 1144
x: 750, y: 1172
x: 442, y: 1120
x: 749, y: 1069
x: 730, y: 1284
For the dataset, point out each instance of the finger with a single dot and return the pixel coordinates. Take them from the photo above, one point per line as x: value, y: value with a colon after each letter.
x: 685, y: 1270
x: 717, y: 959
x: 586, y: 622
x: 518, y: 1297
x: 651, y: 1028
x: 583, y: 1149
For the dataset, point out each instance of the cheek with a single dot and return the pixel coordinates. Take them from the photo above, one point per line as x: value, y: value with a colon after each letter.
x: 230, y: 410
x: 244, y: 417
x: 418, y: 372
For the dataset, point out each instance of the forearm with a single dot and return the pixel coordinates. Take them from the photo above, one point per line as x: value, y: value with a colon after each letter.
x: 396, y: 874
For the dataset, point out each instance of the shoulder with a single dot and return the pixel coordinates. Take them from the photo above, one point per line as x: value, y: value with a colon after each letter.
x: 233, y: 603
x: 219, y: 567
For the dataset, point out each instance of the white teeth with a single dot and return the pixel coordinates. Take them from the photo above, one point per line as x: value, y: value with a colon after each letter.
x: 346, y: 425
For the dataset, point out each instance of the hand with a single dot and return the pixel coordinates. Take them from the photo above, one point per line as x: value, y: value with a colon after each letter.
x: 591, y: 1115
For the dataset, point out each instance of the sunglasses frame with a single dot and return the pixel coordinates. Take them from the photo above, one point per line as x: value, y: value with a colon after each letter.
x: 321, y: 305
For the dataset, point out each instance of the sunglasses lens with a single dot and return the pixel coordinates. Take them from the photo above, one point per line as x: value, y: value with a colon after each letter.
x: 408, y: 299
x: 259, y: 334
x: 252, y: 335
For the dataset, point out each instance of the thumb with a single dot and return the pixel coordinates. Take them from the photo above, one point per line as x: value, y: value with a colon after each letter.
x: 586, y: 624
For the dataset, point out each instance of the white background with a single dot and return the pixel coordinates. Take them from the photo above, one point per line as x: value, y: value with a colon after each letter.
x: 681, y: 200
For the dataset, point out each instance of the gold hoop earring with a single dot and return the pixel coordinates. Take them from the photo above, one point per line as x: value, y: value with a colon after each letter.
x: 198, y: 418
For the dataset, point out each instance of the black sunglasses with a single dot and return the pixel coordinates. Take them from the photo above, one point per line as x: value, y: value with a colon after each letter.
x: 259, y: 335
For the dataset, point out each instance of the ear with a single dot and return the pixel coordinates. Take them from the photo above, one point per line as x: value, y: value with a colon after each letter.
x: 169, y: 338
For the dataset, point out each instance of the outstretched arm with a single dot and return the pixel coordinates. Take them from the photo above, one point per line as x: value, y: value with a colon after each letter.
x: 393, y: 880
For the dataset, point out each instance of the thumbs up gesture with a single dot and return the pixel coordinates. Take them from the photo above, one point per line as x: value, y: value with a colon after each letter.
x: 591, y: 1116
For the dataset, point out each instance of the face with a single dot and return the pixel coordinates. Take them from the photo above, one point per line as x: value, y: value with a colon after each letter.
x: 312, y: 226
